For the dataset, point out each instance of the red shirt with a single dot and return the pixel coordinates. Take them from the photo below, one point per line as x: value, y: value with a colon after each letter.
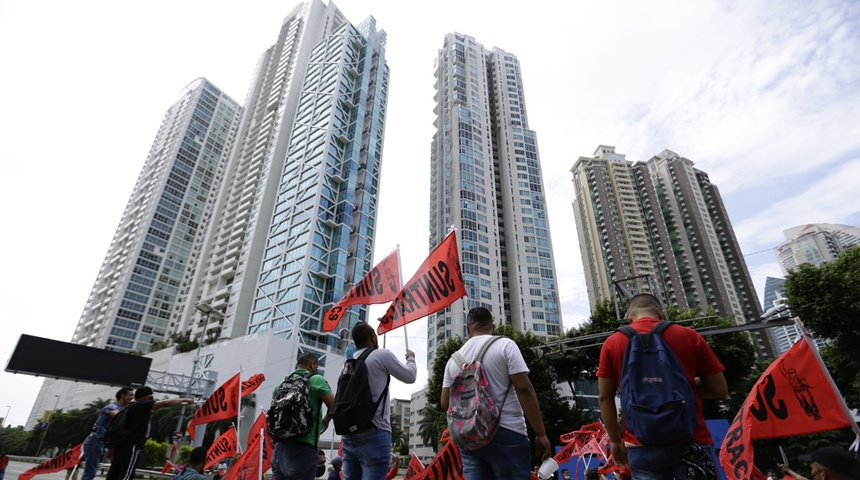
x: 694, y: 354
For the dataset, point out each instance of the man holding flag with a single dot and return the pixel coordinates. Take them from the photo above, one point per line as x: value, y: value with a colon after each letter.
x: 366, y: 453
x: 127, y: 453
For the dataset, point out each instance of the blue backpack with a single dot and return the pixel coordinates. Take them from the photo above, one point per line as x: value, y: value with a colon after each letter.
x: 657, y: 401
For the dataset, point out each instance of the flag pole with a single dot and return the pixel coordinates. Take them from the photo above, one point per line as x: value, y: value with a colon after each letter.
x: 239, y: 406
x: 400, y: 287
x: 810, y: 341
x: 260, y: 463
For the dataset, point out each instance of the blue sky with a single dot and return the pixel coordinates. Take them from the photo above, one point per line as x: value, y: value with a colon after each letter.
x: 762, y: 95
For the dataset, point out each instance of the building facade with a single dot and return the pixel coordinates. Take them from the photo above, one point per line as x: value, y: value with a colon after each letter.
x: 261, y: 217
x: 295, y: 220
x: 659, y: 226
x: 815, y: 244
x: 141, y: 293
x: 486, y: 181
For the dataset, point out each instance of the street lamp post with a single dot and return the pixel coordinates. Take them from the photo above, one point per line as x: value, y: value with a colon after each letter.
x: 8, y: 409
x: 50, y: 419
x: 207, y: 312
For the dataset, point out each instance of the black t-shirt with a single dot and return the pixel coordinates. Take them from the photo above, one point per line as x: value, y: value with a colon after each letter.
x: 137, y: 422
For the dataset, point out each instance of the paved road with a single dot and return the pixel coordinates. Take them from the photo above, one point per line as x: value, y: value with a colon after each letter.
x: 16, y: 468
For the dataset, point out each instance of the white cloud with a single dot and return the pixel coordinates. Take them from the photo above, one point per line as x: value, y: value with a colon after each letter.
x: 761, y: 95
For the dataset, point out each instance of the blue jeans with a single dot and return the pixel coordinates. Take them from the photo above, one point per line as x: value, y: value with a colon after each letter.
x: 294, y: 461
x: 366, y: 455
x: 506, y: 457
x: 94, y: 450
x: 663, y: 462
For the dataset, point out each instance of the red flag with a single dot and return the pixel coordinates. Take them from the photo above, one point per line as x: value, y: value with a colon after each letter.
x: 584, y: 434
x: 414, y: 470
x: 247, y: 467
x: 268, y: 443
x: 223, y: 446
x: 447, y: 464
x: 174, y: 447
x: 592, y: 448
x: 167, y: 467
x: 221, y: 405
x: 60, y: 462
x: 794, y: 396
x: 565, y: 454
x: 380, y: 285
x: 252, y: 383
x: 437, y: 284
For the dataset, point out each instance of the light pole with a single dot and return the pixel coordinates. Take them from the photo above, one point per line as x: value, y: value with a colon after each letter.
x: 207, y: 312
x: 50, y: 419
x: 8, y: 408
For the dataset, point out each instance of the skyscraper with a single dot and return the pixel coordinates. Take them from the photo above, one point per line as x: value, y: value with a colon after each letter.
x: 486, y: 181
x: 815, y: 244
x: 265, y: 214
x: 295, y: 222
x: 665, y: 221
x: 141, y: 292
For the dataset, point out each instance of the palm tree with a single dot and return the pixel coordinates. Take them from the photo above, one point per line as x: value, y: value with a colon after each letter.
x: 428, y: 428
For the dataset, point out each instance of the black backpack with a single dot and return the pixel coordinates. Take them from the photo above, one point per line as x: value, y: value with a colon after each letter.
x: 117, y: 432
x: 354, y: 408
x: 291, y: 413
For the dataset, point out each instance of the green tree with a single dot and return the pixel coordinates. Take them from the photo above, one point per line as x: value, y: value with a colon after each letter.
x: 154, y: 454
x: 827, y: 300
x: 14, y: 440
x: 428, y: 428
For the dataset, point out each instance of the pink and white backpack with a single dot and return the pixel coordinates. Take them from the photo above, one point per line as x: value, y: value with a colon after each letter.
x: 473, y: 415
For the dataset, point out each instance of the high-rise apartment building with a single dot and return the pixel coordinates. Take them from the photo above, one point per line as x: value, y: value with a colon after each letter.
x: 486, y: 181
x: 141, y: 292
x: 815, y: 244
x: 265, y: 214
x: 663, y: 220
x: 295, y: 223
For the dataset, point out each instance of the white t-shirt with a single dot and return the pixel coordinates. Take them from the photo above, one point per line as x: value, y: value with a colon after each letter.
x: 501, y: 360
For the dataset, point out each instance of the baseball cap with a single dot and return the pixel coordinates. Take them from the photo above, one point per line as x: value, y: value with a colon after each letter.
x: 336, y: 461
x: 836, y: 459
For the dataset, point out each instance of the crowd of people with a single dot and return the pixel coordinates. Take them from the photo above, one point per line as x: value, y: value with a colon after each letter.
x: 366, y: 452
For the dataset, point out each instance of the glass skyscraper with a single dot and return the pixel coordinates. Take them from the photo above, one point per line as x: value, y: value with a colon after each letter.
x: 295, y: 222
x: 141, y: 293
x: 486, y: 181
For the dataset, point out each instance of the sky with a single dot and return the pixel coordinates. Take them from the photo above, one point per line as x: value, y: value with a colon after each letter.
x: 764, y: 96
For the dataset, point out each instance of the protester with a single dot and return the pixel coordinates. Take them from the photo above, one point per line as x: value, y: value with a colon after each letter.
x: 336, y: 463
x: 395, y: 467
x: 297, y: 458
x: 220, y: 470
x: 94, y: 448
x: 320, y: 463
x: 194, y: 468
x: 127, y: 453
x: 831, y: 463
x: 565, y: 474
x: 366, y: 453
x: 692, y: 460
x: 4, y: 462
x: 507, y: 455
x: 72, y: 473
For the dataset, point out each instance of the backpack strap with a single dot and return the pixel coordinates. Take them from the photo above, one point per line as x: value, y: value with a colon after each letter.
x: 384, y: 392
x: 480, y: 356
x: 658, y: 329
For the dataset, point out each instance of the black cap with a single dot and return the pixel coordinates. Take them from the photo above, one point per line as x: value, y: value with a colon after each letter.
x: 836, y: 459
